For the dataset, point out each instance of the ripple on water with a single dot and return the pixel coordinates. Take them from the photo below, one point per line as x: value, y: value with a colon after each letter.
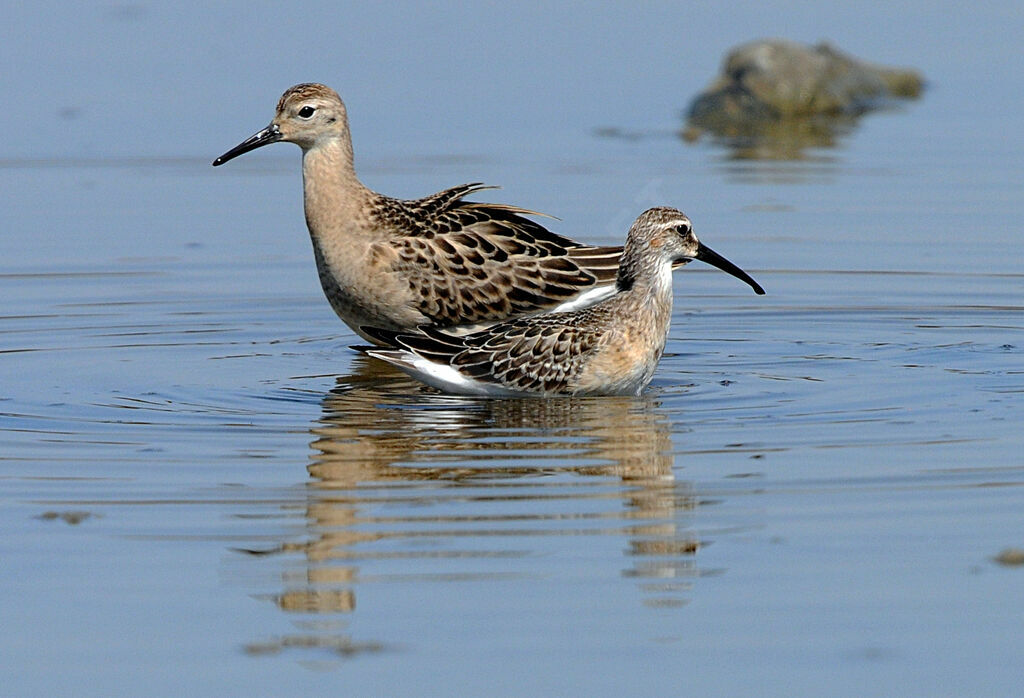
x: 336, y: 487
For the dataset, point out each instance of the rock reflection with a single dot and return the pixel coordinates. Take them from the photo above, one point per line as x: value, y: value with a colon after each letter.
x: 411, y: 486
x: 789, y: 139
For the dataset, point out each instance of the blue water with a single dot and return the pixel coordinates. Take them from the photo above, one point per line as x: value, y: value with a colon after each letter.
x: 202, y: 489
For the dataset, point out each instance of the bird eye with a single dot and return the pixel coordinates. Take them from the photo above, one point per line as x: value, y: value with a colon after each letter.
x: 683, y: 229
x: 307, y: 112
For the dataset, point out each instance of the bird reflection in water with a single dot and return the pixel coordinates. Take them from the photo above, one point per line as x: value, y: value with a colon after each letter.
x: 444, y: 485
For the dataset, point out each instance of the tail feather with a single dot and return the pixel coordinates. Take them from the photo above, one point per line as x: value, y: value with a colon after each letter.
x: 426, y: 341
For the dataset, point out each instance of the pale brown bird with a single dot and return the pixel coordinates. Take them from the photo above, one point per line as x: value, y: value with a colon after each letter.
x: 610, y: 348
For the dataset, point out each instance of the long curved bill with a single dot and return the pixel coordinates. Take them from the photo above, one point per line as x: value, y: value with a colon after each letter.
x: 709, y: 256
x: 271, y: 134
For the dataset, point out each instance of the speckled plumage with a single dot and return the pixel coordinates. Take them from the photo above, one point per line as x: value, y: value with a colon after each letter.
x: 612, y: 347
x: 440, y: 260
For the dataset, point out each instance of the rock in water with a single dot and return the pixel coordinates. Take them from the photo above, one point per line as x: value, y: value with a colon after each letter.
x: 772, y: 89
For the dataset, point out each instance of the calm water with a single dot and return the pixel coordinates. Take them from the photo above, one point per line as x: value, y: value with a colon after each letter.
x: 202, y: 488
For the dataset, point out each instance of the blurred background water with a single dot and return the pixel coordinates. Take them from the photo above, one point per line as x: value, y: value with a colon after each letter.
x: 203, y: 489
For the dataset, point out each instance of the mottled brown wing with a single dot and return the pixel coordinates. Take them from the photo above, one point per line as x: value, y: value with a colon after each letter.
x: 602, y: 262
x: 545, y: 353
x: 469, y: 262
x: 540, y: 354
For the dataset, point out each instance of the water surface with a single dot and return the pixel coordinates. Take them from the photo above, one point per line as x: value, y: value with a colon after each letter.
x: 204, y: 489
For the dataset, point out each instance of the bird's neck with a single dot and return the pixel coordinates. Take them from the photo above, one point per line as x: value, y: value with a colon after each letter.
x: 333, y: 194
x: 647, y: 285
x: 638, y: 269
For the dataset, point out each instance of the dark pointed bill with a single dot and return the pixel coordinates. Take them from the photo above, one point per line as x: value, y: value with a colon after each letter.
x: 270, y: 134
x: 709, y: 256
